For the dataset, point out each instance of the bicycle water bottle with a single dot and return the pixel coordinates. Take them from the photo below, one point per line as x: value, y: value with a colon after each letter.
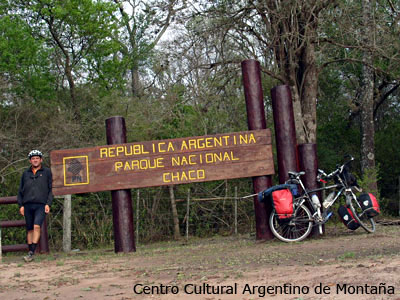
x: 328, y: 216
x: 328, y: 200
x: 315, y: 201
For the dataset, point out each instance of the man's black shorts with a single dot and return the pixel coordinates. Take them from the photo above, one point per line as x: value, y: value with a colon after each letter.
x: 34, y: 214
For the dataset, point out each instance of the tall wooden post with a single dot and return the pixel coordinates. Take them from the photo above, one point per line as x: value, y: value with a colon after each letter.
x: 285, y: 131
x: 44, y: 238
x: 256, y: 120
x: 124, y: 238
x: 1, y: 249
x: 308, y: 163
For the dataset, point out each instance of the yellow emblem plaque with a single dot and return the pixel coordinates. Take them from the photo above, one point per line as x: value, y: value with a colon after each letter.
x: 76, y: 170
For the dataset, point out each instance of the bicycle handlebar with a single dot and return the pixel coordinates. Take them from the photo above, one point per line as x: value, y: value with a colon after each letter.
x: 336, y: 172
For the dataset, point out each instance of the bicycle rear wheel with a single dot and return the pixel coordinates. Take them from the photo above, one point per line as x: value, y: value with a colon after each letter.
x: 367, y: 223
x: 294, y: 230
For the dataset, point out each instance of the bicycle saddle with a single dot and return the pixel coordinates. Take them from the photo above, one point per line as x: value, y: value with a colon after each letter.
x: 296, y: 174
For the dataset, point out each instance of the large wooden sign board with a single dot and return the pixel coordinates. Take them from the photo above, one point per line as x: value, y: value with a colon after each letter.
x: 162, y: 162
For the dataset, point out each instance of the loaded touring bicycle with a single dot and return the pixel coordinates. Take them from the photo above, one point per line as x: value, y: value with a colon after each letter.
x: 297, y: 210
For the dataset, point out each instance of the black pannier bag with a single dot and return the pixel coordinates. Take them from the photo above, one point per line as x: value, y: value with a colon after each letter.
x: 281, y: 197
x: 347, y: 218
x: 369, y: 204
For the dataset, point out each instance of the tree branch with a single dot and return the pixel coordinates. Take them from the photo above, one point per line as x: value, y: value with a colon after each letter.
x: 386, y: 95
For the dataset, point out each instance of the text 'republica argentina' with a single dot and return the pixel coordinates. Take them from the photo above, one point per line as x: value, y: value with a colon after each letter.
x: 171, y: 154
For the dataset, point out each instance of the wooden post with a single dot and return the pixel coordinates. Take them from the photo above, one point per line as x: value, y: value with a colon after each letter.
x: 124, y: 237
x: 43, y: 245
x: 236, y: 204
x: 44, y: 238
x: 67, y: 224
x: 1, y: 254
x: 256, y: 120
x: 285, y: 131
x: 399, y: 195
x: 177, y: 233
x: 187, y: 214
x: 137, y: 215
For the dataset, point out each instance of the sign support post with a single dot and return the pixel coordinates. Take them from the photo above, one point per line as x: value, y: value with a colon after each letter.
x: 67, y: 223
x: 124, y: 239
x: 256, y: 120
x: 285, y: 131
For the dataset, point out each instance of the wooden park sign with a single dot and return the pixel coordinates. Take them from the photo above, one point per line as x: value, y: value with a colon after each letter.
x: 162, y: 162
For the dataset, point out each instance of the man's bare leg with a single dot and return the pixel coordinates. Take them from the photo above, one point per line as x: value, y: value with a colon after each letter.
x: 36, y: 234
x: 29, y: 237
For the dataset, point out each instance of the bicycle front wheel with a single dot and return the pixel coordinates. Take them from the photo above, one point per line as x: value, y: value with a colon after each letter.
x: 367, y: 223
x: 294, y: 230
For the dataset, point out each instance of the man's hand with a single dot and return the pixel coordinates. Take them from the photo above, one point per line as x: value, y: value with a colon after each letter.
x: 22, y: 210
x: 47, y: 209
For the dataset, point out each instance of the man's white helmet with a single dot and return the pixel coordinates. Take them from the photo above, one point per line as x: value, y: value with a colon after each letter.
x: 35, y: 153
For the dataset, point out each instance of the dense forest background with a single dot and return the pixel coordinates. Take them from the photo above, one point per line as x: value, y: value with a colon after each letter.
x: 171, y: 68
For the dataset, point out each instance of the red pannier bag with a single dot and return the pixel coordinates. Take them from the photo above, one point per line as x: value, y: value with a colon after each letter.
x: 282, y: 201
x: 347, y: 218
x: 369, y: 205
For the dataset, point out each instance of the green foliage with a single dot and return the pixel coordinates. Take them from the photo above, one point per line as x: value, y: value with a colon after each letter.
x: 91, y: 221
x: 337, y: 136
x: 387, y: 154
x: 24, y: 61
x: 368, y: 179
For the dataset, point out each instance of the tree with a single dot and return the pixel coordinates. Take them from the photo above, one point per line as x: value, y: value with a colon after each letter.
x: 75, y: 30
x: 143, y: 24
x: 24, y: 64
x: 284, y: 35
x: 364, y: 46
x: 367, y: 96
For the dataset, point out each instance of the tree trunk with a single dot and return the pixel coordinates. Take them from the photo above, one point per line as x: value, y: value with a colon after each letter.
x: 71, y: 83
x: 136, y: 86
x: 309, y: 90
x: 67, y: 66
x: 295, y: 33
x: 367, y: 102
x: 177, y: 233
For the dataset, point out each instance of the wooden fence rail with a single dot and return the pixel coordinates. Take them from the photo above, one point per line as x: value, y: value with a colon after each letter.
x: 44, y: 240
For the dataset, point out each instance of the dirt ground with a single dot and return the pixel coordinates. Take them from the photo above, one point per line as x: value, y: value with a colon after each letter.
x: 340, y: 265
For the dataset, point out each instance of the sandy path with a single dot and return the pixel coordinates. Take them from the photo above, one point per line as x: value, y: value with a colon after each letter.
x: 342, y: 265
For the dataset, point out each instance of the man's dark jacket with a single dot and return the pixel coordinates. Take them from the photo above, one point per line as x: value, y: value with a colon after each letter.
x: 36, y: 188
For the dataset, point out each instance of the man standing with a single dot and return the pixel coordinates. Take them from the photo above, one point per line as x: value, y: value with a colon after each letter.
x: 35, y: 198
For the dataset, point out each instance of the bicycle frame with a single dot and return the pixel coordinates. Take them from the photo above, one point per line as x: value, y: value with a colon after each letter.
x: 306, y: 197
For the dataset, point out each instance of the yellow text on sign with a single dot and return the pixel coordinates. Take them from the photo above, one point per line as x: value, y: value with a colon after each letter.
x: 140, y: 164
x: 128, y: 150
x: 170, y: 177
